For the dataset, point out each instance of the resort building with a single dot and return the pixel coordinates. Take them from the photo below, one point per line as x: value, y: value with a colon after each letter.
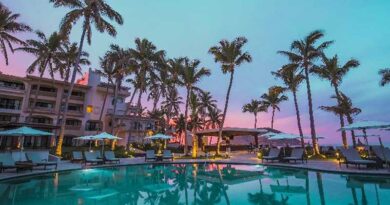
x: 17, y: 95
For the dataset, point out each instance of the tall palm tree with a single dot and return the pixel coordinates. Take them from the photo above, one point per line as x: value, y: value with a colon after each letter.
x: 334, y: 73
x: 254, y: 107
x: 291, y: 79
x: 119, y: 59
x: 385, y: 73
x: 92, y: 13
x: 172, y: 104
x: 64, y: 64
x: 344, y: 107
x: 47, y: 53
x: 9, y: 26
x: 230, y: 55
x: 190, y: 75
x: 273, y: 98
x: 146, y: 57
x: 196, y: 122
x: 304, y: 53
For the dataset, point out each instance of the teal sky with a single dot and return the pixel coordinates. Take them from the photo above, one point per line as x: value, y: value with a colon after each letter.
x: 360, y: 29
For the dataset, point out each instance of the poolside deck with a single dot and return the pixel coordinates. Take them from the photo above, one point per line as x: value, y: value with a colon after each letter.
x: 238, y: 157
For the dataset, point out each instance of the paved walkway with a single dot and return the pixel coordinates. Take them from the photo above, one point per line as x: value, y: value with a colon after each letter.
x: 242, y: 157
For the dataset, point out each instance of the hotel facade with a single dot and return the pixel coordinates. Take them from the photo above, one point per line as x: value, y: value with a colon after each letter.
x: 17, y: 95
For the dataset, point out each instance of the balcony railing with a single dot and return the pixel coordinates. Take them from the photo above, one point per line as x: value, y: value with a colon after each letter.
x: 73, y: 127
x: 44, y: 93
x: 13, y: 87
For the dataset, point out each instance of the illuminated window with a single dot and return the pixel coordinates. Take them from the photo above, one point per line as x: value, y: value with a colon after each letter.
x: 89, y: 108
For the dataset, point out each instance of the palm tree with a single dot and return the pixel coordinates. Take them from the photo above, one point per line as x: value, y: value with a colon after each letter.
x: 118, y: 58
x: 206, y: 103
x: 304, y: 53
x: 196, y: 122
x: 214, y: 119
x: 145, y: 56
x: 291, y: 79
x: 180, y: 122
x: 344, y: 108
x: 255, y: 106
x: 273, y: 98
x: 230, y: 55
x: 190, y: 75
x: 172, y: 104
x: 385, y: 73
x: 9, y: 26
x: 47, y: 52
x: 64, y: 64
x: 334, y: 73
x: 92, y: 13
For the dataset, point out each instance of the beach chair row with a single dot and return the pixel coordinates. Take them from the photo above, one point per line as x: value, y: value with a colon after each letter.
x: 275, y: 154
x: 377, y: 157
x: 150, y: 155
x: 94, y: 157
x: 34, y: 159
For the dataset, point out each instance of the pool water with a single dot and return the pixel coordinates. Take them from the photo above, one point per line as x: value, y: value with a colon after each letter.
x: 194, y: 184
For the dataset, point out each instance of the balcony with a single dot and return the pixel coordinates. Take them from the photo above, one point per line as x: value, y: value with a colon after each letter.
x: 42, y: 109
x: 11, y: 86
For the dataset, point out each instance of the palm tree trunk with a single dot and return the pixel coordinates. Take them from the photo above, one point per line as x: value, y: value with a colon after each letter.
x: 320, y: 188
x: 224, y: 112
x: 185, y: 122
x: 350, y: 121
x: 113, y: 119
x: 255, y: 120
x: 316, y: 150
x: 104, y: 103
x: 272, y: 119
x: 35, y: 97
x: 72, y: 82
x: 129, y: 134
x: 195, y: 144
x: 139, y: 105
x: 132, y: 96
x: 298, y: 117
x: 343, y: 133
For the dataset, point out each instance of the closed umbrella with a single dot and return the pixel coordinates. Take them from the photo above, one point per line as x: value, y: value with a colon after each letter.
x: 22, y: 132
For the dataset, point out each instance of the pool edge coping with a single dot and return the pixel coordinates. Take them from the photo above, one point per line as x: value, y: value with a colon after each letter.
x: 197, y: 162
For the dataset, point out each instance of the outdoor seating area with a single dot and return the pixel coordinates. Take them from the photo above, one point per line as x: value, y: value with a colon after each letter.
x: 280, y: 155
x: 151, y: 156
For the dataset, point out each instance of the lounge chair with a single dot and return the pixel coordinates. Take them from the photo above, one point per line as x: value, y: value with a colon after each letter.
x: 7, y: 162
x: 150, y: 155
x: 77, y: 156
x: 37, y: 160
x: 272, y: 155
x: 92, y: 158
x: 382, y: 153
x: 110, y: 157
x: 351, y: 156
x: 297, y: 154
x: 167, y: 154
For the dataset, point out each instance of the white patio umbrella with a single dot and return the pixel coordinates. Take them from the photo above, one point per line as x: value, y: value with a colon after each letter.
x: 365, y: 125
x: 87, y: 138
x: 22, y: 132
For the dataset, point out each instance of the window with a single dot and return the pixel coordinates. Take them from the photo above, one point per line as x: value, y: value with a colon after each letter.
x: 118, y: 100
x: 41, y: 120
x: 93, y: 126
x: 73, y: 122
x: 41, y: 104
x: 13, y: 104
x: 77, y: 108
x: 44, y: 88
x: 76, y: 93
x: 9, y: 118
x: 137, y: 126
x: 13, y: 85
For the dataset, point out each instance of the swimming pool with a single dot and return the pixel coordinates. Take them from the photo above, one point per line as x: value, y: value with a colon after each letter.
x: 194, y: 184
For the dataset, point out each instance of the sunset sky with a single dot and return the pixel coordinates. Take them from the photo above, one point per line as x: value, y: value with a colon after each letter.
x: 360, y: 29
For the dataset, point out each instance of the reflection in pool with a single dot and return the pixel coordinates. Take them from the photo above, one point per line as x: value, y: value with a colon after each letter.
x: 195, y: 184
